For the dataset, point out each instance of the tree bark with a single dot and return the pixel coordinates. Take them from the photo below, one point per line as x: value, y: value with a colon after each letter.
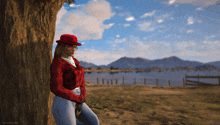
x: 26, y: 39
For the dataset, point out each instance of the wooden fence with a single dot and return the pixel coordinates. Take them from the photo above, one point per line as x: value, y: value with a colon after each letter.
x: 189, y: 82
x: 108, y: 81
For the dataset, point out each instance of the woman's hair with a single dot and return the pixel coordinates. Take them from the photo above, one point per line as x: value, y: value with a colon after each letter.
x: 59, y: 50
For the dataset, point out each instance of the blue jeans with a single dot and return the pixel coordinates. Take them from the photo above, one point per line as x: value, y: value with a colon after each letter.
x: 64, y: 112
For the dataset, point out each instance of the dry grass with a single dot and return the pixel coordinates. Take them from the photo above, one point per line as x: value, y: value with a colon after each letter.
x: 148, y: 105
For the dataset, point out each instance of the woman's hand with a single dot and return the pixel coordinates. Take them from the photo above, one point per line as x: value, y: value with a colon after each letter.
x: 78, y: 109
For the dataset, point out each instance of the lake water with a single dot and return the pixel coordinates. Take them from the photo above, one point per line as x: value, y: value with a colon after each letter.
x: 175, y: 77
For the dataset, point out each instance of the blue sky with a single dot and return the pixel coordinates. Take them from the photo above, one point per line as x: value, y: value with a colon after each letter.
x: 151, y: 29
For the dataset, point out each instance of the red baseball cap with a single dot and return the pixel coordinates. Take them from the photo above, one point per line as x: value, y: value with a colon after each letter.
x: 68, y: 39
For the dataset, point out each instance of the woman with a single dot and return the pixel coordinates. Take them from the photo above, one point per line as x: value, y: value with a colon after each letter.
x: 68, y: 84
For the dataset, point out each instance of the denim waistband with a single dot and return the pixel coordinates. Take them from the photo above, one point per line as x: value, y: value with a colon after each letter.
x: 77, y: 91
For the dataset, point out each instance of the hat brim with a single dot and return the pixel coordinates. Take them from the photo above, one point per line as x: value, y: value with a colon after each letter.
x: 68, y: 43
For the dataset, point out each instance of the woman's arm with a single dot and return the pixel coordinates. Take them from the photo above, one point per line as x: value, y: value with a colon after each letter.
x: 83, y: 89
x: 82, y: 86
x: 56, y: 82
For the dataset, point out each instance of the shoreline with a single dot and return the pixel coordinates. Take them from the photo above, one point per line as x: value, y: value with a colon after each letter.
x: 149, y: 86
x: 141, y: 70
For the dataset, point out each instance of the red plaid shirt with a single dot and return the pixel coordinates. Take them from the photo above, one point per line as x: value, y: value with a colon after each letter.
x: 65, y: 77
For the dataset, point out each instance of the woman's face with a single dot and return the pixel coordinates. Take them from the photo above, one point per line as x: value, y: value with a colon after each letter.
x: 70, y: 49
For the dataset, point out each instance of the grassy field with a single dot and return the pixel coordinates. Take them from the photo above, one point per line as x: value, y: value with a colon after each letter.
x: 150, y: 105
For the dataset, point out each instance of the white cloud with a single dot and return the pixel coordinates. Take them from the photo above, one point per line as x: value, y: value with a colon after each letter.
x: 148, y: 14
x: 96, y: 57
x: 86, y: 22
x: 131, y: 18
x: 190, y: 20
x: 118, y: 7
x: 203, y: 3
x: 110, y: 25
x: 60, y: 14
x: 162, y: 17
x: 171, y: 2
x: 168, y: 36
x: 85, y: 27
x: 208, y: 37
x: 101, y: 10
x: 159, y: 49
x: 127, y: 14
x: 135, y: 47
x: 126, y: 25
x: 202, y: 49
x: 120, y: 40
x: 189, y: 31
x: 190, y: 53
x: 73, y: 5
x: 160, y: 21
x: 205, y: 56
x: 212, y: 44
x: 148, y: 26
x: 172, y: 18
x: 184, y: 44
x: 199, y: 21
x: 199, y: 8
x: 144, y: 26
x: 117, y: 36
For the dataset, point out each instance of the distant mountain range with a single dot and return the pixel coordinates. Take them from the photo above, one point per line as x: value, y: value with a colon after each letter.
x: 170, y: 62
x: 86, y: 65
x: 216, y: 63
x: 205, y: 67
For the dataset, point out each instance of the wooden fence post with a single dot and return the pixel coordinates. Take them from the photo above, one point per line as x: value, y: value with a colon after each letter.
x: 198, y: 82
x: 157, y: 82
x: 123, y: 83
x: 111, y: 82
x: 107, y: 82
x: 102, y: 81
x: 134, y: 81
x: 169, y: 82
x: 116, y: 81
x: 97, y: 80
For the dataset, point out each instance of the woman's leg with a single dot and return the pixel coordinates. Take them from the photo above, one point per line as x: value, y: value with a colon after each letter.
x: 63, y: 111
x: 87, y: 116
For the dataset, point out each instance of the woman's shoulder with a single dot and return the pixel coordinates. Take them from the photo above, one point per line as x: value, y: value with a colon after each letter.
x: 57, y: 61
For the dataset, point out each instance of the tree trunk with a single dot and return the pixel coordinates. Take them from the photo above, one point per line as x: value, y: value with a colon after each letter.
x: 26, y: 39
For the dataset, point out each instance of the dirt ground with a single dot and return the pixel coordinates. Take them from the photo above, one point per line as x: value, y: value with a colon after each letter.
x: 150, y: 105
